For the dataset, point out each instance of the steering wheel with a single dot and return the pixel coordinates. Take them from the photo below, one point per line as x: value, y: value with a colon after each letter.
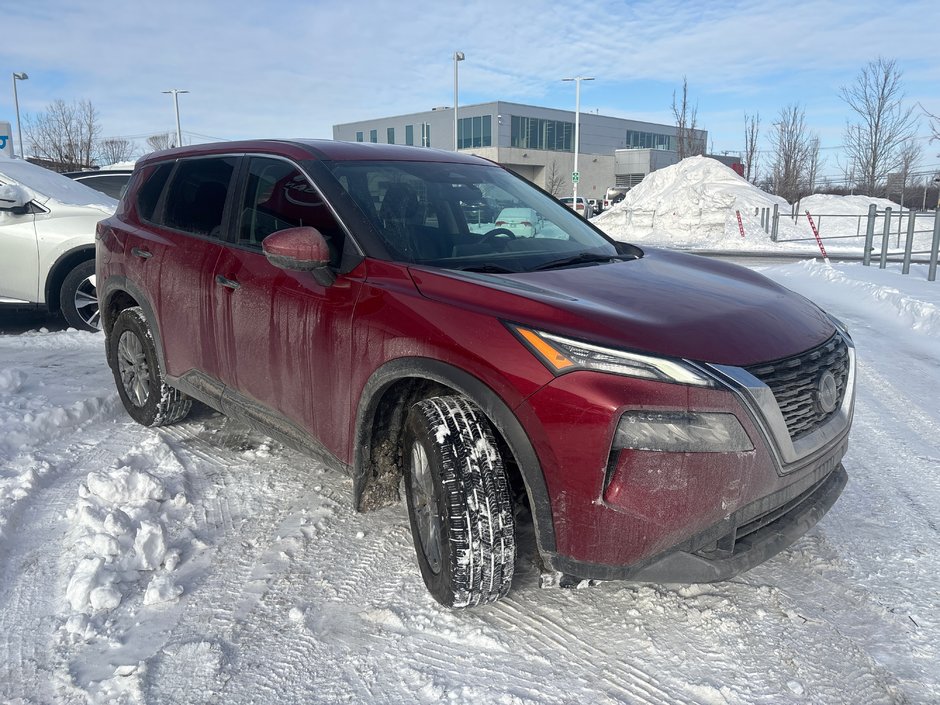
x: 494, y: 233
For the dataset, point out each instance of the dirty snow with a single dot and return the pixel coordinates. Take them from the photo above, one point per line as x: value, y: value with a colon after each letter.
x: 204, y: 563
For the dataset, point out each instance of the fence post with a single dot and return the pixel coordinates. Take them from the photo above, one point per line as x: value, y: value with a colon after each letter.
x: 773, y: 228
x: 884, y: 240
x: 869, y: 235
x: 932, y: 273
x: 909, y: 243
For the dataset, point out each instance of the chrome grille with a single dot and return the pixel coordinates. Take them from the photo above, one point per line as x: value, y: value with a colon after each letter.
x: 795, y: 380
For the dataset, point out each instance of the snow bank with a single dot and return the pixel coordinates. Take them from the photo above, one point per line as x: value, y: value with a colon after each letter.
x: 696, y: 202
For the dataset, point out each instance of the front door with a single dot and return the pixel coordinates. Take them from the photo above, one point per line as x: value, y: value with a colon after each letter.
x: 19, y: 257
x: 285, y: 336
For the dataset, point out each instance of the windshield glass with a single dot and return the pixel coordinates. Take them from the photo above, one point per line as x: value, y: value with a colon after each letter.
x: 467, y: 216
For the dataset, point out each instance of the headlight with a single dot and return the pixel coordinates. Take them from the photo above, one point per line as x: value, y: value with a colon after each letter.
x: 562, y: 355
x: 681, y: 432
x: 840, y: 326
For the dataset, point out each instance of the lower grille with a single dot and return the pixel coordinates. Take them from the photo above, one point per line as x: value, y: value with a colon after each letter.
x: 795, y: 383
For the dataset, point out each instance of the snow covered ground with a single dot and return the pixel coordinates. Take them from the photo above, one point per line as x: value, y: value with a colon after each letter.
x: 201, y: 563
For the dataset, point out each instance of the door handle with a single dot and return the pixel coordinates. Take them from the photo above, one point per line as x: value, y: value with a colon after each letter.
x: 143, y: 254
x: 227, y: 283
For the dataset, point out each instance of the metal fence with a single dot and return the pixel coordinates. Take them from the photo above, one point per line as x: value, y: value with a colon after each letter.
x: 895, y: 235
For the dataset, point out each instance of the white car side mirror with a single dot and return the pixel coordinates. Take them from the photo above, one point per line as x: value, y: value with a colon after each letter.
x: 13, y: 197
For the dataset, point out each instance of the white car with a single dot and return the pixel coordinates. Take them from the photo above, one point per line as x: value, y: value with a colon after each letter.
x: 583, y: 207
x: 47, y: 242
x: 521, y: 222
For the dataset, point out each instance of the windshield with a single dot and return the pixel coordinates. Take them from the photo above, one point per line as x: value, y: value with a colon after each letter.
x: 468, y: 216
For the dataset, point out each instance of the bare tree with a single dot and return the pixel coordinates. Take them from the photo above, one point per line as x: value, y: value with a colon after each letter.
x: 165, y: 140
x: 114, y: 150
x: 875, y: 141
x: 66, y: 134
x: 555, y: 181
x: 813, y: 164
x: 689, y: 140
x: 794, y: 154
x: 751, y: 154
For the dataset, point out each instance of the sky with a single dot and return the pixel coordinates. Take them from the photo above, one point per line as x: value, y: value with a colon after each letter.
x: 282, y: 69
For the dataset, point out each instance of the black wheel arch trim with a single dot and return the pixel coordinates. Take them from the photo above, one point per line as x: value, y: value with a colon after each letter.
x: 119, y: 284
x: 496, y: 410
x: 83, y: 253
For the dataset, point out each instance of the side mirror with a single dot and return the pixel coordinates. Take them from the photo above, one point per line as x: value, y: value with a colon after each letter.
x: 301, y: 249
x: 14, y: 198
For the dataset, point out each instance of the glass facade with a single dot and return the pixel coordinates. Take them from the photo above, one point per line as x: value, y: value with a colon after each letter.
x: 358, y: 137
x: 475, y: 132
x: 409, y: 135
x: 373, y: 135
x: 537, y: 133
x: 425, y: 134
x: 390, y: 135
x: 650, y: 140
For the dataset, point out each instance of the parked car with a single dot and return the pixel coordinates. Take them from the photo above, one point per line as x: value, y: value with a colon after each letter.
x: 663, y: 417
x: 597, y: 205
x: 582, y: 208
x: 111, y: 182
x: 520, y: 222
x: 47, y: 242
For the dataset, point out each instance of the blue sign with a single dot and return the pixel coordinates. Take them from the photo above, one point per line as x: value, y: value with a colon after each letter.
x: 3, y: 141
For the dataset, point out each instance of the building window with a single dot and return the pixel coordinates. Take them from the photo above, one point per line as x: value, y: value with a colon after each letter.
x: 358, y: 137
x: 409, y: 135
x: 425, y: 134
x: 390, y: 134
x: 650, y: 140
x: 373, y: 135
x: 537, y: 133
x: 475, y: 132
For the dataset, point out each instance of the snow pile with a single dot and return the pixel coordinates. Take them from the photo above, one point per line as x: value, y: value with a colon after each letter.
x: 697, y: 201
x: 121, y: 517
x: 844, y: 205
x: 12, y: 380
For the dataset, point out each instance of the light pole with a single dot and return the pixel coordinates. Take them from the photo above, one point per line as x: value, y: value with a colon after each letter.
x: 16, y: 102
x: 176, y: 106
x: 458, y: 56
x: 577, y: 135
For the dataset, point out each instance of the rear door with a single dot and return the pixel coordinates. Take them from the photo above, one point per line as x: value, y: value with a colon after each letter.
x: 178, y: 251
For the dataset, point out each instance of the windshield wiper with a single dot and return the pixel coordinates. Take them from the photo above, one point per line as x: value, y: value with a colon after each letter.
x: 488, y: 268
x: 583, y: 258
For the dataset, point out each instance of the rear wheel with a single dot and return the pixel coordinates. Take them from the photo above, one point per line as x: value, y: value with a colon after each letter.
x: 146, y: 396
x: 458, y: 503
x: 78, y: 298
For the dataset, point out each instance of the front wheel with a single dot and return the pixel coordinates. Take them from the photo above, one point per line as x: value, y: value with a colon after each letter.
x: 78, y: 298
x: 145, y: 394
x: 458, y: 503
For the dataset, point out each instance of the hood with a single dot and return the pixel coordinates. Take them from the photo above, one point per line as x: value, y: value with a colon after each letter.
x: 46, y: 186
x: 665, y: 303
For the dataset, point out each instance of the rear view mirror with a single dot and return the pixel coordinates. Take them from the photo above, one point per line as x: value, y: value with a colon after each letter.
x: 14, y: 198
x: 301, y: 249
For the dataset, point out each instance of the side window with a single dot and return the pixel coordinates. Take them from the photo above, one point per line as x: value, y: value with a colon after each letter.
x: 149, y: 192
x: 278, y: 196
x: 195, y: 201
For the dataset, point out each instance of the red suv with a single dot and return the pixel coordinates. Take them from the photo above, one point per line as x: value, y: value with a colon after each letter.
x: 663, y: 417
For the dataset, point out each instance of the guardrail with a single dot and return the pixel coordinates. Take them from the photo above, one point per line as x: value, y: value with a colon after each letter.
x: 926, y: 237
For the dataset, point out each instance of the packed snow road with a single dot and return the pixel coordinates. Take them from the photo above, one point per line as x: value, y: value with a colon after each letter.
x: 201, y: 563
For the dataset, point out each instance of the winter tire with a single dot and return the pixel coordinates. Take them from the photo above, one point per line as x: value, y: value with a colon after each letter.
x: 458, y: 502
x: 78, y: 298
x: 146, y: 396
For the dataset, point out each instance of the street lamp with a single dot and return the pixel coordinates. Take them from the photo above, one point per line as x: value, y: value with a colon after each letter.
x: 16, y: 101
x: 458, y: 56
x: 577, y: 134
x: 176, y: 106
